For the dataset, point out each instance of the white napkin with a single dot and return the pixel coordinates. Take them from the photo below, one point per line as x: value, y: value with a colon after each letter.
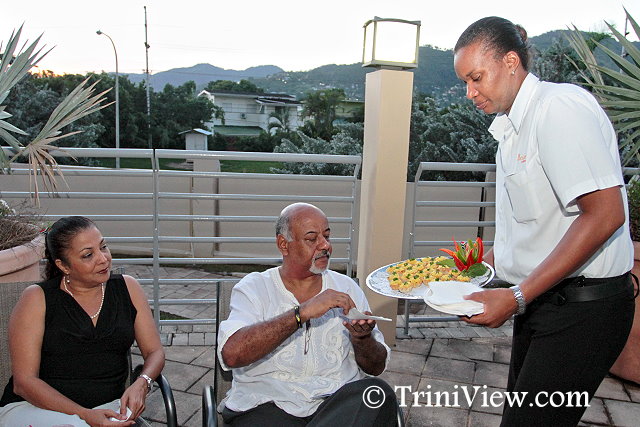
x: 447, y: 296
x: 355, y: 314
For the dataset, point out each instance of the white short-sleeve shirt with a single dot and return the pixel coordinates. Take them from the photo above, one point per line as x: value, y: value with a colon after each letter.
x: 555, y: 145
x: 294, y: 381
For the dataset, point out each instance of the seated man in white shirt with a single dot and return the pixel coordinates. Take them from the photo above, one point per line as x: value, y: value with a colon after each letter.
x: 295, y: 359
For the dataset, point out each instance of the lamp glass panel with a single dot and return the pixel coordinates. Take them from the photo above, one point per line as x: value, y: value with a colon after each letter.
x: 396, y: 42
x: 368, y: 42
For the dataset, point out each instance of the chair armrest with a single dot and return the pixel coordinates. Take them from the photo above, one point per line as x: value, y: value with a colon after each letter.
x: 209, y: 416
x: 167, y: 397
x: 169, y: 401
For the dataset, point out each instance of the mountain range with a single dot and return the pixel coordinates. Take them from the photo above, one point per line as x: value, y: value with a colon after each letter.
x: 434, y: 74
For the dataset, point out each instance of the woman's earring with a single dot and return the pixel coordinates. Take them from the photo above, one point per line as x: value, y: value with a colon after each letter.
x: 513, y: 72
x: 67, y: 279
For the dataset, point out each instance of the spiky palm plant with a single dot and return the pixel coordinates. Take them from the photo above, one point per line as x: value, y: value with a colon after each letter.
x: 621, y: 97
x: 14, y: 65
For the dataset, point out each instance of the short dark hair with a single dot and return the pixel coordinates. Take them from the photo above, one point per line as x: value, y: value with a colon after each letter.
x: 497, y: 34
x: 58, y: 240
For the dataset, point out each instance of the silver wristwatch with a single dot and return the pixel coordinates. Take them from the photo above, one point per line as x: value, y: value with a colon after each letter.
x: 522, y: 304
x: 148, y: 379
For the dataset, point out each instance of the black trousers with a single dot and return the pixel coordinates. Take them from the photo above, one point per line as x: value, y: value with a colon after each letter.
x: 563, y: 349
x: 343, y: 408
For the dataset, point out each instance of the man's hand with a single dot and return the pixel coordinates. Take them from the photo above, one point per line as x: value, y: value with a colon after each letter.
x: 360, y: 328
x: 325, y: 301
x: 499, y: 306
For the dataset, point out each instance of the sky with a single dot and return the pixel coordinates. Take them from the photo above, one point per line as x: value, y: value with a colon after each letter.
x: 296, y: 35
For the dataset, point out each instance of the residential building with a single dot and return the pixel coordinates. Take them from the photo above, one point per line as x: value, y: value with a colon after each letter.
x: 247, y: 114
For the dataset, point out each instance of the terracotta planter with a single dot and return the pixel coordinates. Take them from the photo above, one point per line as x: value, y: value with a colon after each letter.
x: 22, y: 263
x: 628, y: 364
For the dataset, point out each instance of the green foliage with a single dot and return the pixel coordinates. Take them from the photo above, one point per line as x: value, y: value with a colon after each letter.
x: 552, y: 65
x: 320, y: 107
x: 617, y: 87
x: 347, y: 141
x: 457, y: 133
x: 244, y: 86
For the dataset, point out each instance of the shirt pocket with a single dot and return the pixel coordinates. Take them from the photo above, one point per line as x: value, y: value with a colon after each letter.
x: 520, y: 188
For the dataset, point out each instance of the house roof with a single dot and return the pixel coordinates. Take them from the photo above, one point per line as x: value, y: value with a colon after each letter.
x: 263, y: 98
x: 238, y: 130
x: 196, y: 130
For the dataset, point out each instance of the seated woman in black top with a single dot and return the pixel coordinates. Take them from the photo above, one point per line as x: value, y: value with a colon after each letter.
x: 69, y: 337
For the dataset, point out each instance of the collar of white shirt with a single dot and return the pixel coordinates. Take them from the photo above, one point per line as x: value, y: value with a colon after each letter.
x: 518, y: 109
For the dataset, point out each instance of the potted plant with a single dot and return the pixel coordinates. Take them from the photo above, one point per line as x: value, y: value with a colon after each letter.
x: 618, y: 90
x: 21, y: 243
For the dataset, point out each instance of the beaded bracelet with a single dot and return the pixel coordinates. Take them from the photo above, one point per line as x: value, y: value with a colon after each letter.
x: 296, y: 311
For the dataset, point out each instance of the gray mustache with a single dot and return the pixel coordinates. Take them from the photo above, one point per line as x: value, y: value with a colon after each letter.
x: 324, y: 253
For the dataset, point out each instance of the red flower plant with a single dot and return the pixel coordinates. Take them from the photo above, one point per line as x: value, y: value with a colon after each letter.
x: 466, y: 253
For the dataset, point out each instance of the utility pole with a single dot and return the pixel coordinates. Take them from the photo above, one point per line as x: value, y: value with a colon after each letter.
x: 146, y: 46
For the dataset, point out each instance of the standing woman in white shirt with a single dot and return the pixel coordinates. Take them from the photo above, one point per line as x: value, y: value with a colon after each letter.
x: 562, y: 234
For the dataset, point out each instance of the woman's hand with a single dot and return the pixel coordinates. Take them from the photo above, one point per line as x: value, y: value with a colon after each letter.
x: 499, y: 306
x: 101, y: 418
x: 134, y: 398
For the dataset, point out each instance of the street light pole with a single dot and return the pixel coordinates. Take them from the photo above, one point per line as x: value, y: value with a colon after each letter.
x: 117, y: 98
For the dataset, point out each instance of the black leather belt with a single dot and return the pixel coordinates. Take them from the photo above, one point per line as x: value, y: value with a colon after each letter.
x: 581, y: 289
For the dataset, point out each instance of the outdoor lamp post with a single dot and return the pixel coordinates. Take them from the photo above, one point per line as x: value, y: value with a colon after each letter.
x: 117, y: 98
x: 390, y: 46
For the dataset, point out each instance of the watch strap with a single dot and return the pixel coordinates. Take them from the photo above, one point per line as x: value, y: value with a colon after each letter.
x: 519, y: 296
x: 148, y: 379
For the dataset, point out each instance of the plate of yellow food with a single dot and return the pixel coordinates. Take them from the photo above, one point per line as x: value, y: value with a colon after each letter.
x: 409, y: 279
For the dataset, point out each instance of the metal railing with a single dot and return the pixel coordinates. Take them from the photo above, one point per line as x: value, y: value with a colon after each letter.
x: 158, y: 215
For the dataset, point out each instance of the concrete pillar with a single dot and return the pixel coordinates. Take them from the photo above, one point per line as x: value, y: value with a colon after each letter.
x: 204, y: 207
x: 384, y: 179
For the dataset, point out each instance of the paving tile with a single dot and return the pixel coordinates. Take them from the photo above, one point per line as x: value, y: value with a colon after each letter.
x: 196, y: 338
x: 595, y: 413
x: 483, y: 332
x: 441, y: 417
x: 491, y: 374
x: 481, y: 419
x: 446, y: 369
x: 183, y: 354
x: 462, y: 350
x: 429, y: 333
x: 502, y: 354
x: 181, y: 340
x: 612, y: 389
x: 195, y: 420
x: 182, y: 376
x: 416, y: 346
x: 623, y: 413
x: 441, y: 393
x: 407, y: 363
x: 399, y: 380
x: 633, y: 390
x: 469, y: 331
x: 186, y: 405
x: 487, y: 399
x: 206, y: 359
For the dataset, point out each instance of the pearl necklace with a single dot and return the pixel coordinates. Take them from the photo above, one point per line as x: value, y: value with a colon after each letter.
x: 64, y: 283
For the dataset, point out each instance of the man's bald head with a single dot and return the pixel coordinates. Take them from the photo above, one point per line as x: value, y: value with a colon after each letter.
x: 289, y: 214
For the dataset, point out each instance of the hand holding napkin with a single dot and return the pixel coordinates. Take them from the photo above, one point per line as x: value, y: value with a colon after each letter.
x: 447, y: 296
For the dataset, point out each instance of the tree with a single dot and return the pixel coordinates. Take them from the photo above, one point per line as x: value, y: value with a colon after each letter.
x: 347, y: 141
x: 320, y: 108
x: 244, y: 86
